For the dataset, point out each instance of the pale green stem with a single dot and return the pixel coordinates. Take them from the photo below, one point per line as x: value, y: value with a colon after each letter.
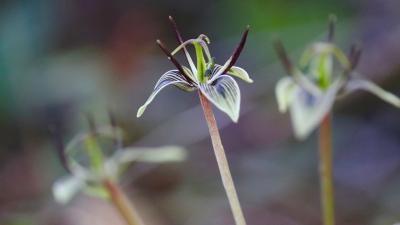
x: 122, y: 204
x: 326, y: 171
x: 222, y: 162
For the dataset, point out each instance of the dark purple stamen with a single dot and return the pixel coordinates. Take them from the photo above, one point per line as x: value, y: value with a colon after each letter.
x: 238, y: 50
x: 56, y: 134
x: 179, y: 37
x: 175, y: 27
x: 174, y: 61
x: 221, y: 90
x: 113, y: 124
x: 354, y: 56
x: 91, y: 123
x: 280, y: 50
x: 331, y: 27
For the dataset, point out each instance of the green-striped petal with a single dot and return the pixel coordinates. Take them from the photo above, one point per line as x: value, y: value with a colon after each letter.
x: 172, y: 77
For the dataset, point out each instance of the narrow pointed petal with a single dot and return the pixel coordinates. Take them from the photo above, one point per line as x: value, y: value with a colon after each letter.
x: 151, y: 155
x: 180, y: 40
x: 66, y: 188
x: 225, y: 94
x: 200, y: 40
x: 308, y: 110
x: 57, y: 136
x: 189, y: 73
x: 362, y: 84
x: 284, y: 92
x: 322, y: 48
x: 172, y: 77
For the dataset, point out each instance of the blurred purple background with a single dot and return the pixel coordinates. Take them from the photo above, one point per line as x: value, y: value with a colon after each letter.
x: 62, y: 59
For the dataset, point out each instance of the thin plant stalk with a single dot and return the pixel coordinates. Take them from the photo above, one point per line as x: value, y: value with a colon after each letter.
x: 326, y: 171
x: 222, y: 162
x: 122, y: 204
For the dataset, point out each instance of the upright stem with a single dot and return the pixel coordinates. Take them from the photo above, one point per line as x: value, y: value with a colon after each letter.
x: 326, y: 171
x: 222, y: 162
x: 121, y: 202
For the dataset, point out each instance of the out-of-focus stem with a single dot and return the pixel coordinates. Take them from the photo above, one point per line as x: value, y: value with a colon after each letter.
x: 121, y: 202
x: 222, y: 161
x: 326, y: 171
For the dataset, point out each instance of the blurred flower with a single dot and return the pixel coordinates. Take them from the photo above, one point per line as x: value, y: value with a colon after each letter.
x: 85, y: 149
x: 311, y: 90
x: 212, y: 80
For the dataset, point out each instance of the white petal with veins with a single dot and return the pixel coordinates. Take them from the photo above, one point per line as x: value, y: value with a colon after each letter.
x: 172, y: 77
x: 225, y: 94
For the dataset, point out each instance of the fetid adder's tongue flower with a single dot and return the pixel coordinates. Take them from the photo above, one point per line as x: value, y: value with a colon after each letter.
x: 324, y: 74
x: 88, y: 165
x: 213, y: 80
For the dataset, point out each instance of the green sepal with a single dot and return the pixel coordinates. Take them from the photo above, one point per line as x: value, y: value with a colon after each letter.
x: 240, y: 73
x: 201, y: 62
x: 94, y: 152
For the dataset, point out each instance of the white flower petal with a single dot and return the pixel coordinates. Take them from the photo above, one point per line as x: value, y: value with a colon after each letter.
x: 193, y: 76
x: 284, y: 92
x: 225, y: 94
x: 218, y: 70
x: 123, y: 157
x: 200, y: 40
x: 362, y: 84
x: 66, y: 188
x: 240, y: 73
x: 306, y: 83
x: 203, y: 41
x: 234, y: 71
x: 308, y: 110
x: 170, y: 77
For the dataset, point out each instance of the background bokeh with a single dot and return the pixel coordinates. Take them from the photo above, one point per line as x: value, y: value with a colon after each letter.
x: 60, y: 60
